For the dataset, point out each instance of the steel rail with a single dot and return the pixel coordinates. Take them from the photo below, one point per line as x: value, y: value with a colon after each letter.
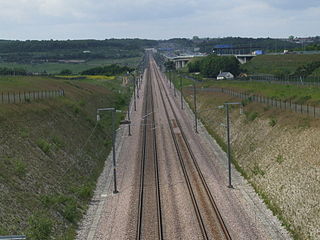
x: 147, y: 105
x: 187, y: 179
x: 203, y: 181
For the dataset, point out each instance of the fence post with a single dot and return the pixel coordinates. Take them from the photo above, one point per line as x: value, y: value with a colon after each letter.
x: 8, y: 97
x: 308, y: 109
x: 314, y: 111
x: 290, y: 104
x: 301, y: 107
x: 2, y: 97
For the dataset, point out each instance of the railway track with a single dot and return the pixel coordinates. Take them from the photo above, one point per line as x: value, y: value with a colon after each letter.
x: 210, y: 221
x: 149, y: 219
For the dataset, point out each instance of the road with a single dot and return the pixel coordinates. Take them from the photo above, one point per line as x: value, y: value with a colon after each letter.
x: 172, y: 181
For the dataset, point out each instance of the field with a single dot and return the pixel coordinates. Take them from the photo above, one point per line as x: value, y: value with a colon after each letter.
x: 301, y: 94
x: 279, y: 64
x: 56, y: 68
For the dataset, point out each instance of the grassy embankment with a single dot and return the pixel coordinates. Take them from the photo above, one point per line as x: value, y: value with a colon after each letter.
x: 52, y: 152
x: 280, y: 64
x: 276, y: 151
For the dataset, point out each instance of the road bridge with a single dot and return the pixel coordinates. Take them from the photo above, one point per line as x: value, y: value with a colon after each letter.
x: 242, y: 58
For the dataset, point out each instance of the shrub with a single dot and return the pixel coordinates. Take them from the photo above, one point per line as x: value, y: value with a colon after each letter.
x: 272, y: 122
x: 24, y: 133
x: 84, y: 192
x: 70, y: 211
x: 40, y: 227
x: 66, y: 72
x: 251, y: 116
x: 44, y: 145
x: 58, y: 141
x: 279, y: 159
x: 3, y: 231
x: 20, y: 168
x: 257, y: 170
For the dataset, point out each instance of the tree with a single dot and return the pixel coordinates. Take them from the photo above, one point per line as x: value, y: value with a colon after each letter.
x: 66, y: 72
x: 211, y: 65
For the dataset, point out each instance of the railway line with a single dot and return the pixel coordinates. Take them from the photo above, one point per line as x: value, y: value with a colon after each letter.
x: 169, y: 187
x: 149, y: 219
x: 209, y: 218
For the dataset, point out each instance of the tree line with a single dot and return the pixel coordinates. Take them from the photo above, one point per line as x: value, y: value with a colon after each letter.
x: 210, y: 66
x: 12, y: 71
x: 8, y: 46
x: 109, y: 70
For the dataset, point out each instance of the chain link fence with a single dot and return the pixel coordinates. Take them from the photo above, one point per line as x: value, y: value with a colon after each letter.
x: 310, y: 110
x: 28, y: 96
x: 292, y: 80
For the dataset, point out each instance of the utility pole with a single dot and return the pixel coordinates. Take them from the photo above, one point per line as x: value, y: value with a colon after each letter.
x: 226, y: 106
x: 137, y: 87
x: 115, y: 190
x: 195, y: 107
x: 181, y: 94
x: 134, y: 93
x: 114, y: 163
x: 129, y: 125
x: 228, y: 143
x: 113, y: 110
x: 174, y: 89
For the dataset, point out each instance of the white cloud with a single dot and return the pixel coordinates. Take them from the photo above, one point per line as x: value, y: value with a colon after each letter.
x: 43, y: 19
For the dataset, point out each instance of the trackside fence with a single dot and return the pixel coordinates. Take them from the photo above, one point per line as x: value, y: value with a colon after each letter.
x: 288, y: 80
x: 310, y: 110
x: 28, y: 96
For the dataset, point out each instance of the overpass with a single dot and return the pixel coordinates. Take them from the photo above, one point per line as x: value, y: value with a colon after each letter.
x: 181, y: 61
x: 242, y: 58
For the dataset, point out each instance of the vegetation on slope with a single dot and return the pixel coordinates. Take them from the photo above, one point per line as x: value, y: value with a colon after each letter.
x: 296, y: 94
x: 51, y: 153
x: 281, y: 65
x: 277, y: 152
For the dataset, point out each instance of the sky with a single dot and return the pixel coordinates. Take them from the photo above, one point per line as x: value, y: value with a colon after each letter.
x: 157, y: 19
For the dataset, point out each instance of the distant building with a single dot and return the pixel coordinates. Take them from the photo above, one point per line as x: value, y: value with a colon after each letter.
x: 258, y: 52
x: 225, y: 75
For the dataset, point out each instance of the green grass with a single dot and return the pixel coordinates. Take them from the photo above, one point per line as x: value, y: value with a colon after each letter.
x: 299, y: 94
x: 278, y: 64
x: 175, y: 78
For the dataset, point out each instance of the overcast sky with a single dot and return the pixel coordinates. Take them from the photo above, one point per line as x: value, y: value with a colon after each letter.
x: 157, y: 19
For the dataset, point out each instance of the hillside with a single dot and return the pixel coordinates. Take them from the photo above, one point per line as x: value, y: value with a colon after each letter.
x: 279, y: 64
x: 52, y: 152
x: 277, y: 151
